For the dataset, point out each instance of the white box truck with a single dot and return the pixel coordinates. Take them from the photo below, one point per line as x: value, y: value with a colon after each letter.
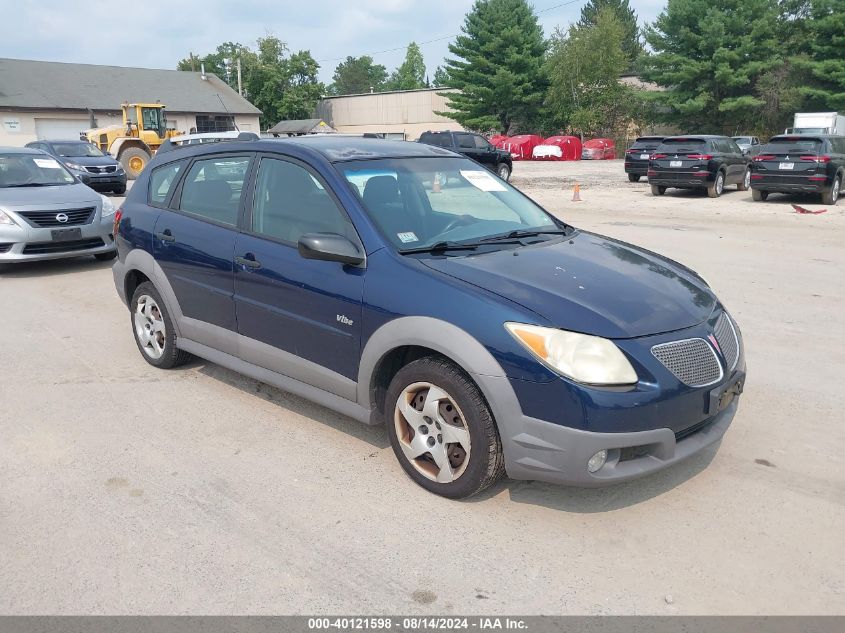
x: 817, y: 123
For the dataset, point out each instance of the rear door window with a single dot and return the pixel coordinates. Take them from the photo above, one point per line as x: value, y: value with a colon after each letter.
x: 213, y: 187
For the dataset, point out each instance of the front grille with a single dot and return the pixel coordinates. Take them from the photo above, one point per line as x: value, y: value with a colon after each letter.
x: 4, y: 248
x: 75, y: 217
x: 726, y: 336
x: 692, y: 361
x: 62, y: 247
x: 107, y: 169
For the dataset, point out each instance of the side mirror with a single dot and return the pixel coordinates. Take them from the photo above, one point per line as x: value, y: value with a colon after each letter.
x: 329, y: 247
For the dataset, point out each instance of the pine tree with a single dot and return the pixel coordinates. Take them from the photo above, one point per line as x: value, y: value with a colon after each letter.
x: 411, y: 73
x: 497, y: 67
x: 825, y: 64
x: 709, y: 55
x: 631, y: 44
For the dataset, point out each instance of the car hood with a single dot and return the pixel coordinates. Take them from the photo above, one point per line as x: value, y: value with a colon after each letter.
x: 25, y: 197
x: 89, y: 160
x: 591, y: 284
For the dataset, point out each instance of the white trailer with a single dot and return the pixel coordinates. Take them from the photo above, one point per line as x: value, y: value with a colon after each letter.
x: 817, y: 123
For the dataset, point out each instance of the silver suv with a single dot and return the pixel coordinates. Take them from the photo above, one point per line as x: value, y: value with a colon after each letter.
x: 46, y: 213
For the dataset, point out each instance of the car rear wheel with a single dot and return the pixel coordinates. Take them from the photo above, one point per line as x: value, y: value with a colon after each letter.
x: 503, y: 171
x: 759, y: 196
x: 745, y: 185
x: 658, y: 190
x: 441, y: 429
x: 832, y: 195
x: 153, y: 329
x: 715, y: 190
x: 633, y: 177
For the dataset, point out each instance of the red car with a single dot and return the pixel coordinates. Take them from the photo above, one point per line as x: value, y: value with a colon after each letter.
x: 599, y: 149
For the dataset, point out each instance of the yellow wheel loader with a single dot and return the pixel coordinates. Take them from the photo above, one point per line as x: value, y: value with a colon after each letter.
x: 143, y: 131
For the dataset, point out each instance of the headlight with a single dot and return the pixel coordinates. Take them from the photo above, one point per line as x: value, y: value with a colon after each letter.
x: 588, y: 359
x: 108, y: 207
x: 5, y: 219
x: 75, y: 166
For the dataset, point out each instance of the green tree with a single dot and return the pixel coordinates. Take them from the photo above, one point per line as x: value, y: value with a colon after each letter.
x: 630, y: 37
x: 357, y: 75
x: 220, y: 63
x: 411, y: 73
x: 497, y: 67
x: 825, y: 64
x: 709, y: 55
x: 441, y: 79
x: 583, y: 67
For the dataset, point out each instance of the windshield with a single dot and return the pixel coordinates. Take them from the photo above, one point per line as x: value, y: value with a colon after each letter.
x: 421, y: 202
x: 32, y: 170
x: 793, y: 145
x: 76, y: 149
x: 742, y: 140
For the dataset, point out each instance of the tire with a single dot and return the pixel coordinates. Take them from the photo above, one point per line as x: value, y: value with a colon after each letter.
x: 503, y: 171
x: 658, y: 190
x: 831, y: 196
x: 129, y: 157
x: 159, y: 351
x: 106, y: 257
x: 460, y: 468
x: 715, y: 190
x: 759, y: 195
x: 119, y: 191
x: 633, y: 177
x: 745, y: 185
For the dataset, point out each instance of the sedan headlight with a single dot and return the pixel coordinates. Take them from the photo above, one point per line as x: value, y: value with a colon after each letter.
x: 588, y: 359
x: 5, y: 219
x: 108, y: 206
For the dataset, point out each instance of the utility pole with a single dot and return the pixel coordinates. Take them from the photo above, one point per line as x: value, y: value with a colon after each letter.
x: 240, y: 86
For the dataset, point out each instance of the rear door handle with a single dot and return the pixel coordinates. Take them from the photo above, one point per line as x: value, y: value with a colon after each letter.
x: 249, y: 261
x: 166, y: 236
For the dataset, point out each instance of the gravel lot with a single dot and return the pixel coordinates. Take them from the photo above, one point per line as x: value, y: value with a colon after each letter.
x: 129, y: 490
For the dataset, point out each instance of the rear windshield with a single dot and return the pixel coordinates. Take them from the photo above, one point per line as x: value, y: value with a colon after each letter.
x: 785, y: 145
x: 683, y: 144
x: 646, y: 143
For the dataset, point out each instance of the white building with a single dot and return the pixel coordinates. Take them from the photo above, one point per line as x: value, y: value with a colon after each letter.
x: 54, y: 100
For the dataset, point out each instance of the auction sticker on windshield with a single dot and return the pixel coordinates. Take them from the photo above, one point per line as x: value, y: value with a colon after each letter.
x: 47, y: 163
x: 407, y: 237
x: 482, y: 180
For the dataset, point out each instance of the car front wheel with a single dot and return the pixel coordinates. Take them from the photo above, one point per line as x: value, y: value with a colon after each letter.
x: 503, y: 171
x: 441, y: 429
x: 153, y: 329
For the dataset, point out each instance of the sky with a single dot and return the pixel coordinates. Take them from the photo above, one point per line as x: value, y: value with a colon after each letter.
x: 155, y: 34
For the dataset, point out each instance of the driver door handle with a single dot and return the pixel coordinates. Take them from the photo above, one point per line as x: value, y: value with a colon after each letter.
x: 166, y: 236
x: 248, y: 260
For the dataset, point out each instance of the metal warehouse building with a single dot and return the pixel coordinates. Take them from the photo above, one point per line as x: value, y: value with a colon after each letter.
x: 411, y: 112
x: 41, y: 100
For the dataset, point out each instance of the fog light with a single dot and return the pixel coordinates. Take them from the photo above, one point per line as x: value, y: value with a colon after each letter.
x: 597, y: 461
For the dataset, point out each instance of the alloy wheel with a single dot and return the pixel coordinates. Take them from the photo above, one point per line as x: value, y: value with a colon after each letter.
x: 746, y: 182
x: 432, y: 432
x: 149, y: 327
x: 720, y: 184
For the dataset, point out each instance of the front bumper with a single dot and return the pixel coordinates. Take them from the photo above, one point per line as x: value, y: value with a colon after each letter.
x: 30, y: 244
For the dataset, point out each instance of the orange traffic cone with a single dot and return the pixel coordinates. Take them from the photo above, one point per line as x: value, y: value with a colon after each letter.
x: 436, y: 187
x: 576, y: 194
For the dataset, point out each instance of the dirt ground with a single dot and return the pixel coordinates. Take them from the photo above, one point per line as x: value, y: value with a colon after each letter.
x: 129, y: 490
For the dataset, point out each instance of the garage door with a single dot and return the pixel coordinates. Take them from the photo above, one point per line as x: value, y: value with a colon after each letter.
x: 60, y: 129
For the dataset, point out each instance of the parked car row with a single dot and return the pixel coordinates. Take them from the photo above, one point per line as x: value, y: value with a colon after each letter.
x: 789, y: 163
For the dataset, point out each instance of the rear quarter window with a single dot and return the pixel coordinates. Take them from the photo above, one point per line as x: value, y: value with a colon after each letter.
x: 162, y: 181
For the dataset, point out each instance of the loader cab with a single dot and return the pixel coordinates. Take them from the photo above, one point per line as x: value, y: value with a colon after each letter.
x: 153, y: 127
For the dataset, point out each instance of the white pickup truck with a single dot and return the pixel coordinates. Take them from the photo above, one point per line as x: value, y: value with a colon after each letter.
x: 817, y: 123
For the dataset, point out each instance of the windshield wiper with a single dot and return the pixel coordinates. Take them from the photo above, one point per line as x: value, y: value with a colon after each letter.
x: 515, y: 235
x: 33, y: 184
x: 441, y: 247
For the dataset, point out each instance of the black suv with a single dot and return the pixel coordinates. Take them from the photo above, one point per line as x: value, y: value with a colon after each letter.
x: 637, y: 156
x: 473, y: 146
x: 698, y: 162
x: 813, y: 163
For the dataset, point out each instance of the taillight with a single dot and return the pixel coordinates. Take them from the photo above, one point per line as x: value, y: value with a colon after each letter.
x: 762, y: 157
x: 700, y: 156
x: 658, y: 156
x: 631, y: 151
x: 816, y: 159
x: 117, y: 216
